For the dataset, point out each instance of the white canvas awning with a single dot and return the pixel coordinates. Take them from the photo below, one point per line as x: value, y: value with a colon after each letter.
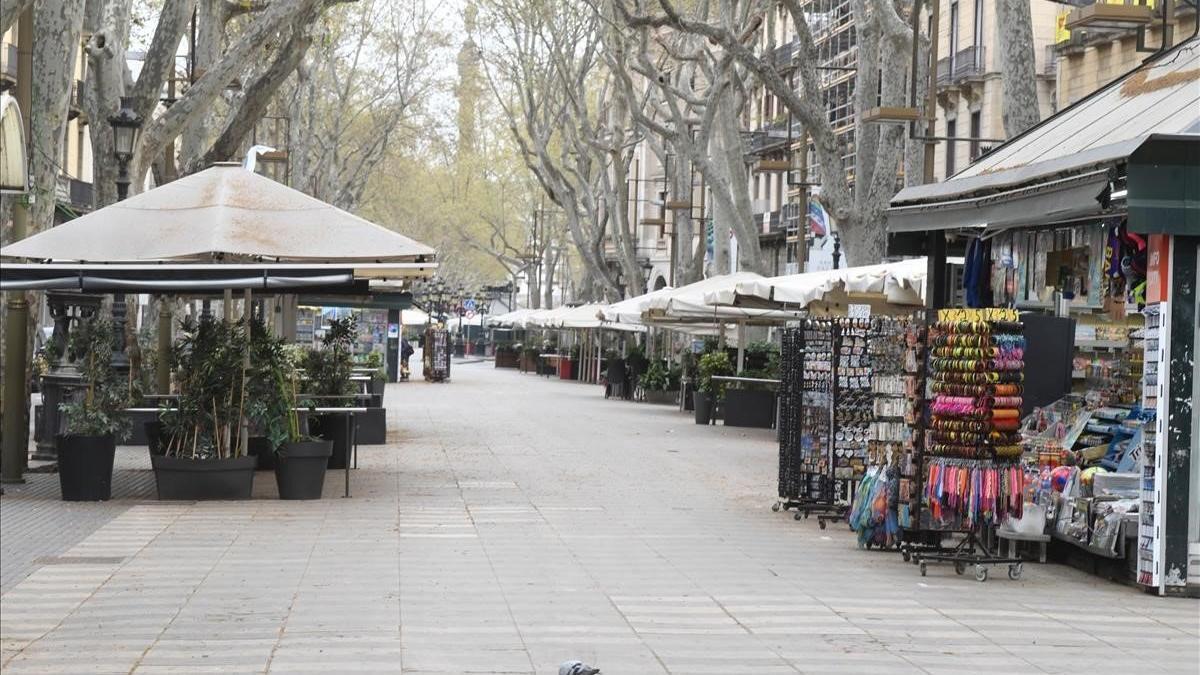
x: 413, y: 317
x: 13, y: 165
x: 222, y: 214
x: 900, y: 283
x: 689, y: 304
x: 630, y: 310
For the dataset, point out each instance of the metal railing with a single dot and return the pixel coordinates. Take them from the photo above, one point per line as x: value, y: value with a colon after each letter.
x: 1050, y: 66
x: 943, y: 71
x: 771, y: 136
x: 970, y: 62
x: 784, y: 55
x: 73, y: 192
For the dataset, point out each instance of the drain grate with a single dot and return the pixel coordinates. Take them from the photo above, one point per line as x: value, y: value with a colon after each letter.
x: 80, y: 560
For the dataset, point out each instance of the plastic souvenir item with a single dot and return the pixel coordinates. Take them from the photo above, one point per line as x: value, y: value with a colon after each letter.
x: 1088, y: 475
x: 1059, y: 477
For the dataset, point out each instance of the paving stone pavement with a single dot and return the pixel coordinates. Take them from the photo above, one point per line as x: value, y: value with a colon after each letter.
x: 515, y: 522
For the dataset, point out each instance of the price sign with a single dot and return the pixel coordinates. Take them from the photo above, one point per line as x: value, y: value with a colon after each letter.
x: 855, y: 311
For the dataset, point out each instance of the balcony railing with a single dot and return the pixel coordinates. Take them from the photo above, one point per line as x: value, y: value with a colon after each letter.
x: 74, y: 193
x: 943, y: 71
x: 970, y: 62
x: 783, y: 56
x: 1050, y: 66
x: 8, y: 65
x: 771, y: 136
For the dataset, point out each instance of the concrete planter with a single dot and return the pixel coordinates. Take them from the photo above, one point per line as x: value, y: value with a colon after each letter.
x: 749, y: 408
x: 670, y: 397
x: 196, y: 479
x: 372, y: 426
x: 85, y: 466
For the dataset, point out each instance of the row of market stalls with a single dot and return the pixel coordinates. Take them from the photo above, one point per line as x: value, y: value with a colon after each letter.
x: 1026, y: 378
x: 724, y: 307
x: 1088, y: 226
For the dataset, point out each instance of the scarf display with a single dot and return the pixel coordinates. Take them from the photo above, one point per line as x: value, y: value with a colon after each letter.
x: 973, y: 445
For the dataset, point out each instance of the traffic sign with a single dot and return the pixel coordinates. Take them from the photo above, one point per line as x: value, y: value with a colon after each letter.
x: 469, y: 304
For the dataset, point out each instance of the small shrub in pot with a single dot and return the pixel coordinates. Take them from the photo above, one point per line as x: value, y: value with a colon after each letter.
x: 94, y: 419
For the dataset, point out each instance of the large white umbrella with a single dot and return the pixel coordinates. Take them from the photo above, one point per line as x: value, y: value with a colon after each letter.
x: 222, y: 214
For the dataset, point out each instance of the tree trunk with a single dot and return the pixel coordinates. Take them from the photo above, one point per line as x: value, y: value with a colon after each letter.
x: 1020, y: 106
x: 210, y: 36
x: 10, y: 11
x: 686, y: 269
x: 551, y: 264
x: 108, y: 23
x: 57, y: 25
x: 741, y: 221
x: 259, y: 95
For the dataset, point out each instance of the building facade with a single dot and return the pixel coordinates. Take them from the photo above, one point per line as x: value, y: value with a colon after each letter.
x: 73, y: 184
x: 970, y: 93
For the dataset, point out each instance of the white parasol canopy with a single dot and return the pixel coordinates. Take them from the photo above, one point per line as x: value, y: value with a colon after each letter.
x: 900, y: 283
x: 224, y: 213
x: 630, y: 310
x: 689, y: 304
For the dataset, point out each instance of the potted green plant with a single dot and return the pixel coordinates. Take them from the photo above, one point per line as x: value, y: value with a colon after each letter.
x: 299, y: 460
x: 508, y: 356
x: 529, y: 358
x: 204, y: 455
x: 329, y: 369
x: 710, y: 392
x: 656, y: 384
x: 94, y: 419
x: 753, y: 405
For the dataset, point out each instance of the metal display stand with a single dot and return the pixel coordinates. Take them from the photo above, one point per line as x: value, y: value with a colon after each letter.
x: 807, y: 483
x: 924, y: 545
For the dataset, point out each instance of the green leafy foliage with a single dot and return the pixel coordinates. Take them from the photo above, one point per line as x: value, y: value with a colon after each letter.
x: 762, y: 360
x: 635, y: 360
x: 711, y: 364
x: 97, y: 410
x: 656, y: 377
x: 330, y: 367
x: 271, y: 389
x: 208, y: 361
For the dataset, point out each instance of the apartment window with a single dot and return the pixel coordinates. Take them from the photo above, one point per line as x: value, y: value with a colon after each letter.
x: 978, y: 25
x: 951, y: 131
x: 953, y: 35
x: 976, y: 132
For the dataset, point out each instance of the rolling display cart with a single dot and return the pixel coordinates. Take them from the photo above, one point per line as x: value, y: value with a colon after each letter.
x: 969, y: 473
x: 825, y: 424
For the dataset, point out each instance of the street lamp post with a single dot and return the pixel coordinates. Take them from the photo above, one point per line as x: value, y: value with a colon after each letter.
x: 126, y: 125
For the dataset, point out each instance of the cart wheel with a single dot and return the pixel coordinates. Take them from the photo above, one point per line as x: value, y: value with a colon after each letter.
x: 960, y: 568
x: 923, y: 569
x: 775, y: 507
x: 980, y: 573
x: 821, y: 524
x: 1014, y: 571
x: 798, y: 514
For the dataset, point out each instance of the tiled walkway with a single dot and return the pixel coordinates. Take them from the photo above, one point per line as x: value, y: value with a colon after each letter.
x: 516, y: 522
